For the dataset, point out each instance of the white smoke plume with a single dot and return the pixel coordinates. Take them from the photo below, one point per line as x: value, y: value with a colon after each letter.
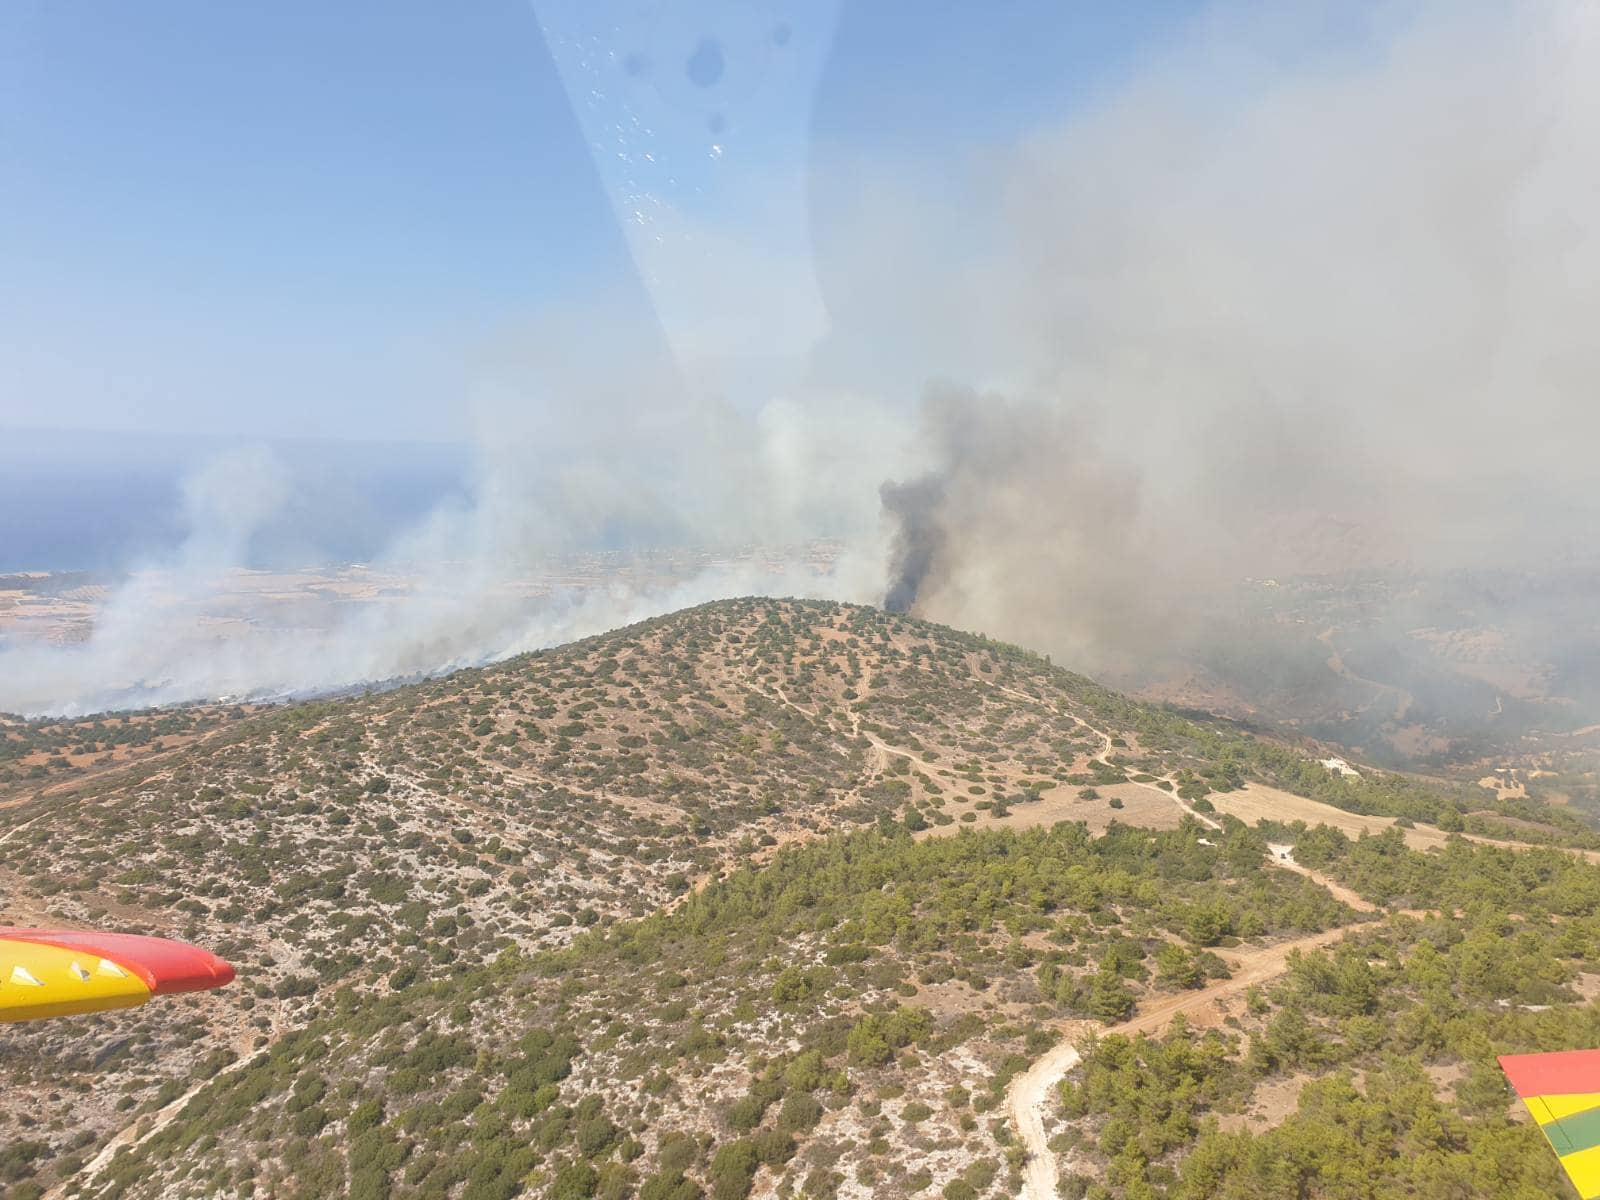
x: 1281, y: 300
x: 175, y: 631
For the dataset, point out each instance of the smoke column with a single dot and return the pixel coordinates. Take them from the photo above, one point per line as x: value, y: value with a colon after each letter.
x: 1273, y: 302
x: 918, y: 537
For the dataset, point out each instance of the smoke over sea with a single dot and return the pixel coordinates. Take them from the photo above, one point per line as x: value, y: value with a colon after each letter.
x: 1268, y: 304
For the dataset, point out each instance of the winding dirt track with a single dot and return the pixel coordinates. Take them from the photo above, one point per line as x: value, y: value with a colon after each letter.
x: 1030, y: 1091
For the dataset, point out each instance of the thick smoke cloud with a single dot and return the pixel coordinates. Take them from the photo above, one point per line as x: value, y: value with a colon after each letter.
x: 1296, y: 295
x: 919, y: 537
x: 1276, y: 305
x: 1022, y: 516
x: 178, y: 629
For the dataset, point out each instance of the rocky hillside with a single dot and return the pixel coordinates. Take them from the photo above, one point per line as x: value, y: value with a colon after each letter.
x: 433, y: 894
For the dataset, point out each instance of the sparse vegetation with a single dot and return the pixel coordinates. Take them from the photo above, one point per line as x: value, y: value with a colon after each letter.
x: 766, y: 896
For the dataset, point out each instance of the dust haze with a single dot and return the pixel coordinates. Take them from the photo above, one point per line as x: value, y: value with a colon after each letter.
x: 1276, y: 303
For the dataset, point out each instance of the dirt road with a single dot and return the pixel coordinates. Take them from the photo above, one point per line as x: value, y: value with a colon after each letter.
x: 1032, y: 1090
x: 1283, y: 856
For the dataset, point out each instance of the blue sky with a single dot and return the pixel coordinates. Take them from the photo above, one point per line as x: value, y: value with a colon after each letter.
x: 310, y: 219
x: 1271, y: 263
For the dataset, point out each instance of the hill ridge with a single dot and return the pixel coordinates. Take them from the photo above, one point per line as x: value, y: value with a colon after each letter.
x: 368, y: 846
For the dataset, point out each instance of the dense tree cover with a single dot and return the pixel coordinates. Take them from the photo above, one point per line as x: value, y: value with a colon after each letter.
x: 1462, y: 875
x: 1396, y: 1028
x: 579, y: 1072
x: 1095, y: 896
x: 1390, y: 1137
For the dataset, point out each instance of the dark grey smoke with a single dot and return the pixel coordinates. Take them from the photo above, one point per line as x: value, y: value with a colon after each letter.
x: 919, y: 537
x: 1251, y: 334
x: 1024, y: 526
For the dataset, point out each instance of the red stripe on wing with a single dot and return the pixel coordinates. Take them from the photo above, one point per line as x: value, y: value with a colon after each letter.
x: 164, y: 966
x: 1562, y: 1073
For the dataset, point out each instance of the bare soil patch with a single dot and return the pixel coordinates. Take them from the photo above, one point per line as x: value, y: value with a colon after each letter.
x: 1259, y: 802
x: 1269, y: 1104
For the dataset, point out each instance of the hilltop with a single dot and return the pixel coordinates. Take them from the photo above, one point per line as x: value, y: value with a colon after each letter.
x: 672, y: 903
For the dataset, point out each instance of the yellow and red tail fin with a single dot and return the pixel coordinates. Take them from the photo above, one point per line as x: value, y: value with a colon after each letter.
x: 1562, y: 1091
